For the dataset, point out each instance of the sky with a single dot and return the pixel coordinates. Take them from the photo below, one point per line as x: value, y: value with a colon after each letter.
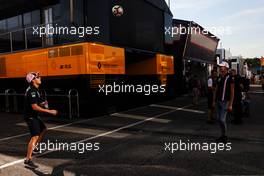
x: 238, y: 23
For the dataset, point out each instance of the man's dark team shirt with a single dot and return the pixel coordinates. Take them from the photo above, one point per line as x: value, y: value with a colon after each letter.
x: 221, y: 87
x: 32, y: 96
x: 238, y: 89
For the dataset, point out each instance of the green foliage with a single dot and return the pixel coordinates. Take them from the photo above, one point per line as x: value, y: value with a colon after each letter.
x: 255, y: 62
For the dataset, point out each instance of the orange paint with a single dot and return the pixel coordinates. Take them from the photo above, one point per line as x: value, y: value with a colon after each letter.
x: 159, y: 65
x: 75, y: 59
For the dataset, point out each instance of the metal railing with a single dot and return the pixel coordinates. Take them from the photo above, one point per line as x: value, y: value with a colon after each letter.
x: 70, y: 96
x: 9, y: 93
x: 22, y: 37
x: 10, y: 101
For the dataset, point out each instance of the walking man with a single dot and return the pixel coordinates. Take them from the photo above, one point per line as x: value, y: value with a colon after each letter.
x: 33, y: 106
x: 224, y: 97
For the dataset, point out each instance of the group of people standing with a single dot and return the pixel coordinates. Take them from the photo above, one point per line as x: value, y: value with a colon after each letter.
x: 225, y: 94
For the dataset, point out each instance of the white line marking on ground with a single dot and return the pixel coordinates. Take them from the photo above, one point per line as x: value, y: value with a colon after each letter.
x: 84, y: 131
x: 256, y: 92
x: 138, y: 117
x: 255, y: 85
x: 97, y: 136
x: 177, y: 108
x: 12, y: 137
x: 65, y: 125
x: 52, y: 128
x: 11, y: 163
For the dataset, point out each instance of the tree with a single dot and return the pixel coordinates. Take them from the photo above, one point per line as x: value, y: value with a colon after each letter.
x: 253, y: 63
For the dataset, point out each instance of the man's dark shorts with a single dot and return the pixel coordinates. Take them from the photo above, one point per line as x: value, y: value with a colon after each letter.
x: 35, y: 126
x: 210, y: 100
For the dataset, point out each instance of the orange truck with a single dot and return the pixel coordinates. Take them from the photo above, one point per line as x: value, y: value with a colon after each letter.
x: 74, y: 59
x: 82, y: 67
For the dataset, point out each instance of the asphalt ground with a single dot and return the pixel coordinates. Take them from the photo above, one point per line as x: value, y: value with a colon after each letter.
x: 139, y: 142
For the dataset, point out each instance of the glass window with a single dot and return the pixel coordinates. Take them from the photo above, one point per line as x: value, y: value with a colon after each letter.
x: 31, y: 18
x: 33, y: 41
x: 2, y: 26
x: 78, y: 13
x: 18, y: 40
x: 14, y: 23
x: 5, y: 43
x: 27, y: 19
x: 56, y: 13
x: 35, y: 17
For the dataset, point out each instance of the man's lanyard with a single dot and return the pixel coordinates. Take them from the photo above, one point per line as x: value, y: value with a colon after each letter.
x: 224, y: 89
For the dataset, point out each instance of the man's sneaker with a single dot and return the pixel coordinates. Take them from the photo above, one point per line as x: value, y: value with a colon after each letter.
x: 31, y: 164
